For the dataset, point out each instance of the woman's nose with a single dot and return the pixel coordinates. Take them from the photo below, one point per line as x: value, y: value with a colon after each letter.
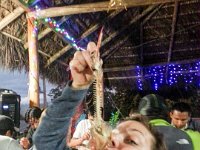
x: 114, y: 143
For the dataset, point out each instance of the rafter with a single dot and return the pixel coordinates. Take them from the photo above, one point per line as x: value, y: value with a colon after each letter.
x: 11, y: 36
x: 132, y: 67
x: 174, y: 20
x: 171, y: 43
x: 11, y: 17
x: 25, y: 7
x: 46, y: 31
x: 90, y: 7
x: 113, y: 35
x: 85, y: 34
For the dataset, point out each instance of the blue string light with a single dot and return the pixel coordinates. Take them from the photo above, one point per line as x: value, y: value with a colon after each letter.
x: 139, y: 81
x: 177, y: 74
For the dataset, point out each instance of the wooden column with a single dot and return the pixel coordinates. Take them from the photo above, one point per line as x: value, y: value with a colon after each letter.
x: 33, y: 64
x: 44, y: 93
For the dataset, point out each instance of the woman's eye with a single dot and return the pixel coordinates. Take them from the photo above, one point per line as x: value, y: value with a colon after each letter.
x: 131, y: 142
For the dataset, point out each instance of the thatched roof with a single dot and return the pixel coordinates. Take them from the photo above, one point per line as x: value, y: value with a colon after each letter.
x: 141, y: 35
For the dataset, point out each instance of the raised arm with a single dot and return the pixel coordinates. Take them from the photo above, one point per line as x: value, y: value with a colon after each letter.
x: 52, y: 131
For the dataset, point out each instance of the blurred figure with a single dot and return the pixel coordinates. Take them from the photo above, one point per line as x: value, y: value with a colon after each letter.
x: 6, y: 132
x: 82, y: 132
x: 34, y: 116
x: 154, y: 107
x: 135, y: 133
x: 180, y: 115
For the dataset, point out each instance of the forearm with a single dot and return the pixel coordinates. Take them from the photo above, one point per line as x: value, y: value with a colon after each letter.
x: 51, y: 133
x: 75, y: 142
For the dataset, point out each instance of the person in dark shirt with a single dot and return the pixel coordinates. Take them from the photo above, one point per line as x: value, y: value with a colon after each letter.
x: 153, y: 106
x: 180, y: 115
x: 34, y: 116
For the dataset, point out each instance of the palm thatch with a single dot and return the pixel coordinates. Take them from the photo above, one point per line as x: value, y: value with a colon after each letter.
x: 143, y: 35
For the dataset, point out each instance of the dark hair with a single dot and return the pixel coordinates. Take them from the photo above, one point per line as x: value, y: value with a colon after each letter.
x: 182, y: 107
x: 90, y: 110
x: 3, y: 131
x: 153, y: 106
x: 6, y: 124
x: 158, y: 143
x: 27, y: 115
x: 35, y: 113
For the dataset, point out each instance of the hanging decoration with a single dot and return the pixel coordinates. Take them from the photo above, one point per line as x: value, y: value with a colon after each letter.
x: 177, y: 74
x: 56, y: 27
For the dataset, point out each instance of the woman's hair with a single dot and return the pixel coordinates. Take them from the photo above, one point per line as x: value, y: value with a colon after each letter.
x: 27, y: 115
x: 158, y: 143
x: 35, y: 113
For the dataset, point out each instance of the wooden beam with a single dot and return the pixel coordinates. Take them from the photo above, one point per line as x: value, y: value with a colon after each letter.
x: 40, y: 36
x: 105, y: 56
x: 85, y: 34
x: 11, y: 36
x: 11, y: 17
x: 33, y: 65
x: 90, y: 7
x: 47, y: 31
x: 171, y: 43
x: 147, y: 75
x: 141, y: 43
x: 25, y: 7
x: 152, y: 14
x: 132, y: 67
x: 174, y: 20
x: 21, y: 4
x: 135, y: 19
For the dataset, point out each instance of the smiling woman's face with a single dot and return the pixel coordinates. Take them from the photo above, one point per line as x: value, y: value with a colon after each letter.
x: 131, y: 135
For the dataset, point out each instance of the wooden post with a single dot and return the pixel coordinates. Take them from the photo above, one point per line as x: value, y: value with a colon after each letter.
x: 33, y: 64
x: 44, y: 93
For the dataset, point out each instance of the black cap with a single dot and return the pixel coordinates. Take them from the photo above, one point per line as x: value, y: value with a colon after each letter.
x: 6, y: 123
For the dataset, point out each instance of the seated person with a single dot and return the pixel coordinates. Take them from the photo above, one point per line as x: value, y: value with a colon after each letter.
x: 81, y: 134
x: 180, y: 118
x: 6, y: 132
x: 180, y: 115
x: 34, y: 116
x: 153, y: 106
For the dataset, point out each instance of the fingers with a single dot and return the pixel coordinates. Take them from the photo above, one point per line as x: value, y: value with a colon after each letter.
x: 86, y: 136
x: 92, y: 50
x: 92, y: 47
x: 82, y: 59
x: 78, y: 62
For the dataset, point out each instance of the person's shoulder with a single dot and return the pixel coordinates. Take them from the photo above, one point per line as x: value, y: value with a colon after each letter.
x: 194, y: 125
x: 5, y: 139
x: 172, y: 133
x: 9, y: 143
x: 175, y: 138
x: 193, y: 133
x: 83, y: 121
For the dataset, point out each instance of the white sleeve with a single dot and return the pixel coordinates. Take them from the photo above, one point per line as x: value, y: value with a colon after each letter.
x: 14, y: 145
x: 78, y: 132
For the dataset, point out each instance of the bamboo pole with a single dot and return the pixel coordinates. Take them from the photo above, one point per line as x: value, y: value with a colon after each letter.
x: 44, y: 93
x: 91, y: 7
x: 33, y: 65
x: 11, y: 17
